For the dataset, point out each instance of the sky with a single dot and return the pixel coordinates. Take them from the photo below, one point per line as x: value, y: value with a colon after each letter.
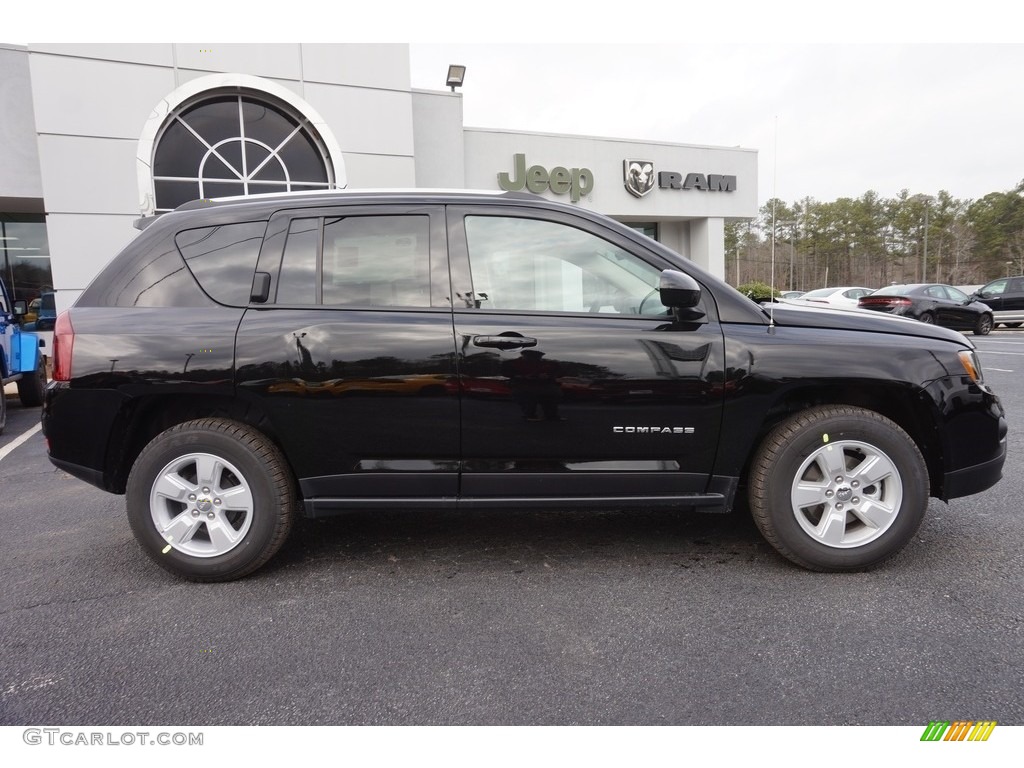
x: 837, y: 98
x: 828, y: 120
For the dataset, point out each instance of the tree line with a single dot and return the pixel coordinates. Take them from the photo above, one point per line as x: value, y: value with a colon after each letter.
x: 874, y: 241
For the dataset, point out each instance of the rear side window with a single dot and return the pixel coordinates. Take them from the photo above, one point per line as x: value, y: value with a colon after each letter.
x: 223, y: 259
x: 357, y: 261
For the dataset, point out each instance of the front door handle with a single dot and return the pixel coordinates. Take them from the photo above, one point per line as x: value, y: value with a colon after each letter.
x: 504, y: 342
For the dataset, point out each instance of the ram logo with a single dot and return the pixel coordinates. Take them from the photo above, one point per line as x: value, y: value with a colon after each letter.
x: 638, y: 176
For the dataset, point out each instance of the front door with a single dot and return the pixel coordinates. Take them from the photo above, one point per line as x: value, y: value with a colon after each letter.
x: 576, y: 382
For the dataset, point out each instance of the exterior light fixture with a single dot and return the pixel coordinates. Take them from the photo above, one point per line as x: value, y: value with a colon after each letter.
x: 456, y: 74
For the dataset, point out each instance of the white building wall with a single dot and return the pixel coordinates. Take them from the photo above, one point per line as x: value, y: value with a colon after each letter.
x: 91, y: 102
x: 438, y: 140
x: 20, y: 180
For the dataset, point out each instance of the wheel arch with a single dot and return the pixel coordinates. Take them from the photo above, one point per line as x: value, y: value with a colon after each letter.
x: 911, y: 409
x: 143, y: 418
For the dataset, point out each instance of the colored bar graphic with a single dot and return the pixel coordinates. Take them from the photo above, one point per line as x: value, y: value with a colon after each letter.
x: 958, y: 730
x: 935, y: 730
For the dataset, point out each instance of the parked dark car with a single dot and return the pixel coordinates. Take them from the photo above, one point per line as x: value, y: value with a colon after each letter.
x: 1005, y: 297
x: 932, y: 303
x: 245, y: 361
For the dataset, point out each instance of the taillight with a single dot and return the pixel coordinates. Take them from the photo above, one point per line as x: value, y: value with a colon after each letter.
x: 883, y: 301
x: 63, y: 342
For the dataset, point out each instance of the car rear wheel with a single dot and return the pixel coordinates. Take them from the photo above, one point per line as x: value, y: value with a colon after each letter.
x: 3, y: 409
x: 927, y: 317
x: 838, y: 488
x: 983, y: 327
x: 211, y: 500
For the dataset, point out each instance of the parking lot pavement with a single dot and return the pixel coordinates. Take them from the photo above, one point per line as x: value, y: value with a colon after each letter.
x: 510, y: 618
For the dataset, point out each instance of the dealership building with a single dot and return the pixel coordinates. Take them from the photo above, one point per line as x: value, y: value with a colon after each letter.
x: 94, y: 136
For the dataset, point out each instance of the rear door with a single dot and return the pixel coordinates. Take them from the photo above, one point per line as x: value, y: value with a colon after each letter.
x: 576, y: 382
x: 352, y: 355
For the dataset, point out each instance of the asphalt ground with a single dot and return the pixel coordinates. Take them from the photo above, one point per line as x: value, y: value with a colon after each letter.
x: 510, y: 618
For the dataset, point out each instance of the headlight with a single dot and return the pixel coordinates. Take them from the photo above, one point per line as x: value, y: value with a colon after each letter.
x: 969, y: 360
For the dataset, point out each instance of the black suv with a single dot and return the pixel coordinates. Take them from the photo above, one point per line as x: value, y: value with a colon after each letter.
x: 1005, y: 296
x: 247, y: 360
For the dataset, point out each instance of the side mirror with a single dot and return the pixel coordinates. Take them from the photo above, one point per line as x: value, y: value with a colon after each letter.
x: 20, y: 308
x: 678, y: 290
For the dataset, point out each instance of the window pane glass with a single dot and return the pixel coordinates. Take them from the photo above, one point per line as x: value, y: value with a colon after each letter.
x: 272, y: 171
x: 179, y: 152
x: 223, y: 259
x: 377, y: 261
x: 530, y: 264
x: 303, y: 159
x: 214, y: 168
x: 265, y: 123
x: 222, y: 189
x: 171, y: 194
x: 215, y: 119
x: 297, y: 283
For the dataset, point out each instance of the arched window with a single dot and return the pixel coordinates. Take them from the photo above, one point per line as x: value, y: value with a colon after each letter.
x: 225, y: 144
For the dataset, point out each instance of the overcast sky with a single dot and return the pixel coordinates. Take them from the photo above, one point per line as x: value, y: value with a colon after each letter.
x: 845, y: 118
x: 881, y: 95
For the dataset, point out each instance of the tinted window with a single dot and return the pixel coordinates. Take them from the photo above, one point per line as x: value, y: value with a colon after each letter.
x: 365, y: 261
x: 155, y: 278
x: 379, y: 261
x: 528, y: 264
x: 297, y: 284
x: 223, y: 258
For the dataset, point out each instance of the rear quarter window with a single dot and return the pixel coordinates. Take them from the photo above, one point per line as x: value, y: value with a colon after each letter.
x: 223, y: 259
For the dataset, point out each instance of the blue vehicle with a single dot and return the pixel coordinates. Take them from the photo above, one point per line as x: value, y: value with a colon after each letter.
x: 20, y: 359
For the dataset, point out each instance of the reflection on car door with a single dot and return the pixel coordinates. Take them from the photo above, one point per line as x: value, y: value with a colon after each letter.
x: 576, y: 381
x: 353, y: 350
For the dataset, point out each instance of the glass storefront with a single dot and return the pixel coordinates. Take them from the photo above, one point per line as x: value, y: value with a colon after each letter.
x: 26, y: 255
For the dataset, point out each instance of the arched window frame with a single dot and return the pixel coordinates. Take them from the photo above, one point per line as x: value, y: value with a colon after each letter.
x: 201, y: 88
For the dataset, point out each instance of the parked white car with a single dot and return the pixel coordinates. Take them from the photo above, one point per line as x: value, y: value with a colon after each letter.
x: 843, y: 297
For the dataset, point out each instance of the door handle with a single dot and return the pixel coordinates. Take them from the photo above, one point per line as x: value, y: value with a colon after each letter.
x: 504, y: 342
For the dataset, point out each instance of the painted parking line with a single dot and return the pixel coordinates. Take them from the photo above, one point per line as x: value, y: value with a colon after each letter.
x: 18, y: 441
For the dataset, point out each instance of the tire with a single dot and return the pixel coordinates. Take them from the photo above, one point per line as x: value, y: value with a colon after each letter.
x: 1012, y: 325
x: 984, y: 326
x: 798, y: 508
x: 31, y: 385
x: 3, y: 408
x: 175, y: 507
x: 927, y: 318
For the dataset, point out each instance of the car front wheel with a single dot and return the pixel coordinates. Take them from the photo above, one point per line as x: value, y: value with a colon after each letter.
x: 838, y: 488
x: 984, y: 326
x: 211, y: 500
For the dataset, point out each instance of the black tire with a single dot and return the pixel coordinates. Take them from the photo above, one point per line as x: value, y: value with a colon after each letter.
x: 3, y: 409
x: 983, y: 327
x: 927, y: 318
x: 1012, y: 325
x: 31, y: 386
x: 822, y: 536
x: 218, y: 539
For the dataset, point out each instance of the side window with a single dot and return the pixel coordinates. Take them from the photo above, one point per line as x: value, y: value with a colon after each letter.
x: 936, y: 292
x: 995, y: 289
x: 530, y: 264
x: 1017, y: 285
x: 377, y: 261
x: 297, y: 283
x: 223, y: 259
x: 357, y: 261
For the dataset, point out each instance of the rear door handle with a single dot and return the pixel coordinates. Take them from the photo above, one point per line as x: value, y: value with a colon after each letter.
x: 504, y: 342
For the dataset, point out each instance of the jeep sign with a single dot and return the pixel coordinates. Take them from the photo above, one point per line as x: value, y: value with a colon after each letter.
x: 578, y: 182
